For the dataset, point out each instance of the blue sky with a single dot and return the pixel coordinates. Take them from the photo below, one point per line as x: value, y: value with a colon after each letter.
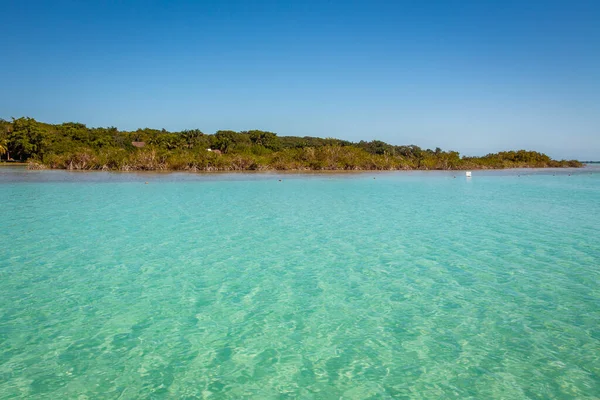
x: 472, y: 76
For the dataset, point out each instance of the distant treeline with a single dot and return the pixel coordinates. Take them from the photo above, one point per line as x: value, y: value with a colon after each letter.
x: 75, y: 146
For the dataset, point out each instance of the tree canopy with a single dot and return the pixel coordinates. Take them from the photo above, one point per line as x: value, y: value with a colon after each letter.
x: 73, y: 145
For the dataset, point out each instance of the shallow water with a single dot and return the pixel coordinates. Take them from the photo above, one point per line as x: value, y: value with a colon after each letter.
x: 322, y: 286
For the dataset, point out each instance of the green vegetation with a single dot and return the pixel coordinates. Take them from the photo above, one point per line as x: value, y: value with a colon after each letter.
x: 3, y: 147
x: 74, y: 146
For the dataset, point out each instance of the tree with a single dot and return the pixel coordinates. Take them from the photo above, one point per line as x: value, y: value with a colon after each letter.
x: 169, y: 141
x: 265, y: 139
x: 192, y: 137
x: 5, y: 128
x: 4, y: 148
x: 224, y: 140
x: 26, y: 138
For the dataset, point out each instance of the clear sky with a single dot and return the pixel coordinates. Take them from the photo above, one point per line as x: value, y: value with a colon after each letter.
x: 474, y: 76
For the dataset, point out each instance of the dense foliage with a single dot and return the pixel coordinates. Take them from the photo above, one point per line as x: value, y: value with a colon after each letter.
x: 74, y: 146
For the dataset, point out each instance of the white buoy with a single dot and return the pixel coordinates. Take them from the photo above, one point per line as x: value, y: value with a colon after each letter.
x: 468, y: 174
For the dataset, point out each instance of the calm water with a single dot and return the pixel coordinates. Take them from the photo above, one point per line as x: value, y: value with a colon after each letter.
x: 410, y: 285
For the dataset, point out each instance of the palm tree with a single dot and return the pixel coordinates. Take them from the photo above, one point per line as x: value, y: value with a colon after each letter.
x: 4, y: 149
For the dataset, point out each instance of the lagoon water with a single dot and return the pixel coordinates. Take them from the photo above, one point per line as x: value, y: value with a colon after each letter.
x: 321, y: 286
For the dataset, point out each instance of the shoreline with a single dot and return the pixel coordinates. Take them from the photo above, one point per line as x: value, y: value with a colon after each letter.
x: 458, y: 172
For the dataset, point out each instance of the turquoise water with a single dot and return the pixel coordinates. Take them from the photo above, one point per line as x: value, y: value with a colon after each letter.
x: 410, y: 285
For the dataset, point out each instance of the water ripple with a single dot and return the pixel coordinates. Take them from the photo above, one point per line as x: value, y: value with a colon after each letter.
x: 408, y: 286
